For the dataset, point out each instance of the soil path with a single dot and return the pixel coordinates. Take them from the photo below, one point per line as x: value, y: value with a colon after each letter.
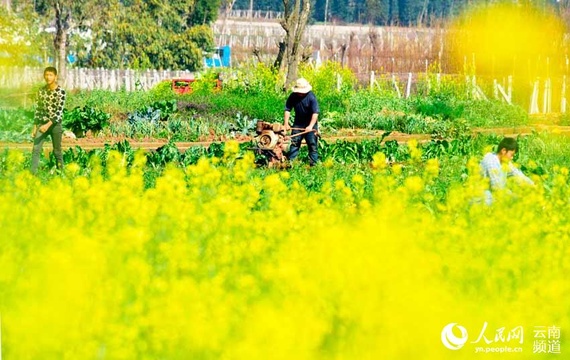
x: 89, y: 143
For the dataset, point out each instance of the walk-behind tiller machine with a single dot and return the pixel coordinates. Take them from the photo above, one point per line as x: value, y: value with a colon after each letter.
x: 272, y: 143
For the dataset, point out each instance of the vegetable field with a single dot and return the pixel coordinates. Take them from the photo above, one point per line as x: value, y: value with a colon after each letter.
x: 385, y: 250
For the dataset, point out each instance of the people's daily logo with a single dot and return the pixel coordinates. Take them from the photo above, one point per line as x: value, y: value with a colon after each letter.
x: 449, y: 338
x: 502, y: 339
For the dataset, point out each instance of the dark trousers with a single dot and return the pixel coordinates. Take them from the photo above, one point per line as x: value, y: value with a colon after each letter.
x: 56, y: 133
x: 312, y: 142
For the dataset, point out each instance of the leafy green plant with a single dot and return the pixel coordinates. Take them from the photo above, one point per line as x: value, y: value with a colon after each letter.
x: 166, y: 107
x: 86, y: 118
x: 208, y: 83
x: 193, y: 154
x: 162, y: 91
x: 253, y: 80
x: 116, y: 103
x: 77, y: 155
x: 450, y: 129
x: 494, y: 113
x: 157, y: 111
x: 243, y: 124
x: 16, y: 125
x: 332, y: 84
x: 441, y: 105
x: 163, y: 155
x: 146, y: 115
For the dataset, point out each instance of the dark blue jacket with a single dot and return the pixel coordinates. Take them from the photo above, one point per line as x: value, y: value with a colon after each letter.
x: 305, y: 105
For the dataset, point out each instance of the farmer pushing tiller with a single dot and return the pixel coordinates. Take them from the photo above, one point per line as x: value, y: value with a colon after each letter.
x: 273, y: 143
x: 272, y: 140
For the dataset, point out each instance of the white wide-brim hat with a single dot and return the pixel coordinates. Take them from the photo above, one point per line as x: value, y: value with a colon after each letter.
x: 302, y: 86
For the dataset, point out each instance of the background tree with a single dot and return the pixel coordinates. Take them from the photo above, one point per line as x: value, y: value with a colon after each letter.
x: 296, y: 15
x: 227, y: 6
x: 20, y: 38
x: 203, y: 12
x: 377, y: 12
x: 107, y: 33
x: 162, y: 35
x: 65, y: 16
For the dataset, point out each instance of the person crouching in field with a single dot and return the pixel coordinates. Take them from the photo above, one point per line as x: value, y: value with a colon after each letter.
x: 497, y: 167
x: 306, y: 107
x: 47, y: 119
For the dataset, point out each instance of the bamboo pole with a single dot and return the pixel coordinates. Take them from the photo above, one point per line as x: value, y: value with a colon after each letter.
x: 563, y: 96
x: 510, y: 88
x: 549, y: 102
x: 501, y: 90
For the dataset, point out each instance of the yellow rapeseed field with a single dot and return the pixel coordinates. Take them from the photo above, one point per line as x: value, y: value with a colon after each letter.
x: 220, y: 262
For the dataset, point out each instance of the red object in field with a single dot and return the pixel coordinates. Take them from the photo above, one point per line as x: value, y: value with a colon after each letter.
x: 182, y: 86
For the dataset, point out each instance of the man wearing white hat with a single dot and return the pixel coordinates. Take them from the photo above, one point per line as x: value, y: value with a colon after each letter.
x: 306, y: 107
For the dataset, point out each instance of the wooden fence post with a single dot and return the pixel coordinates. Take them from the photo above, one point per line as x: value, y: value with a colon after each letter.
x: 534, y: 99
x: 70, y: 78
x: 546, y: 97
x: 395, y: 82
x: 81, y: 79
x: 113, y: 80
x: 104, y: 80
x: 131, y: 79
x: 125, y: 80
x: 409, y: 86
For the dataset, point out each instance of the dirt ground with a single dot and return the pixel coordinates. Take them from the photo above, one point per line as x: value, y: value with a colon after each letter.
x: 94, y: 142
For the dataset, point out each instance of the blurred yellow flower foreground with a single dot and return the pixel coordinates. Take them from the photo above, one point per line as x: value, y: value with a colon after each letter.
x: 219, y: 262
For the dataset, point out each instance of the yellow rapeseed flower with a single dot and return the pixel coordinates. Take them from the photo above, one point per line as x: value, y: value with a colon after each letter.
x: 379, y: 161
x: 219, y: 260
x: 231, y: 148
x: 414, y: 184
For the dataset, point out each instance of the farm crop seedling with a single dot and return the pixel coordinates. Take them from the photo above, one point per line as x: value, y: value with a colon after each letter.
x: 153, y: 113
x: 243, y: 125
